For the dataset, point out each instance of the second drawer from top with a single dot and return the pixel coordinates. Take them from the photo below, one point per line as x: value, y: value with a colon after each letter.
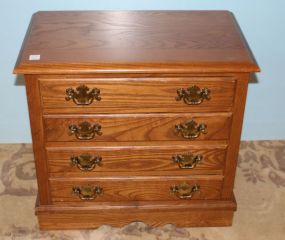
x: 137, y: 127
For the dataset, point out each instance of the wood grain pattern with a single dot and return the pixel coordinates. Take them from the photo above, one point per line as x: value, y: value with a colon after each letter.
x: 118, y: 189
x: 195, y: 213
x: 37, y: 129
x: 192, y: 218
x: 86, y: 207
x: 135, y: 160
x: 128, y: 41
x: 137, y: 127
x: 155, y: 218
x: 137, y: 94
x: 234, y: 140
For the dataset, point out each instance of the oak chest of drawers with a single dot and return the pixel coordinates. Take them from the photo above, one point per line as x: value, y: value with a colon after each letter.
x: 135, y: 116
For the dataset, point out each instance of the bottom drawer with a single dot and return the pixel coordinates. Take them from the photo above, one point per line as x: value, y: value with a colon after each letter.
x: 135, y: 189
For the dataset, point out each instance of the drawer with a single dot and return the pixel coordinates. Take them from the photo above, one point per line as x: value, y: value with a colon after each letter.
x: 147, y: 159
x: 137, y: 95
x: 135, y: 189
x: 137, y: 127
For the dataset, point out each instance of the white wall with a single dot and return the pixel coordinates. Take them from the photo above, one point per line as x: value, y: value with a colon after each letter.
x: 262, y: 22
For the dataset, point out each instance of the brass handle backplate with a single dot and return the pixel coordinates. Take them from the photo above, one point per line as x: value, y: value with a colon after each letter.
x: 85, y: 131
x: 82, y: 95
x: 187, y: 161
x: 193, y: 95
x: 184, y: 190
x: 191, y: 129
x: 86, y: 162
x: 87, y: 192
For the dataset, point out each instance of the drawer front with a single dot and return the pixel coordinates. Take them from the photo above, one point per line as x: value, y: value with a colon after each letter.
x: 139, y: 127
x: 135, y: 189
x: 142, y: 160
x: 137, y: 95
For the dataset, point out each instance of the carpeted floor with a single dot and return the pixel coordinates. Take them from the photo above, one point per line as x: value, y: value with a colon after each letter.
x: 260, y: 193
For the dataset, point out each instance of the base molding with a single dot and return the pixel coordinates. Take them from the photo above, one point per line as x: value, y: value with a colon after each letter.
x: 182, y: 214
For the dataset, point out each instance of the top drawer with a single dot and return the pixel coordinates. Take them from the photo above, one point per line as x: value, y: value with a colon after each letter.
x: 121, y: 95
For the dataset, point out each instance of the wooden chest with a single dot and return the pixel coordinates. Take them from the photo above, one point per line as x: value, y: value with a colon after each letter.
x: 135, y: 116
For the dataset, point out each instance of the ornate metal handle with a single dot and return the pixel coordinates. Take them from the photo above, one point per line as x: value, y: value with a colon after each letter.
x: 84, y: 131
x: 187, y: 161
x: 193, y: 95
x: 81, y: 96
x: 87, y: 192
x: 86, y: 162
x: 191, y: 129
x: 184, y: 190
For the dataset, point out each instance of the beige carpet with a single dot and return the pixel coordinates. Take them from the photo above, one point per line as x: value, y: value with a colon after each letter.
x: 260, y: 193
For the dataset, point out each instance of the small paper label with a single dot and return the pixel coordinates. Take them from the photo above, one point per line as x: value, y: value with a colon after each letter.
x: 35, y: 57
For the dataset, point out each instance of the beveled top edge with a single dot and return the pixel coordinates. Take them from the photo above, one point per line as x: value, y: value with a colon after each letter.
x: 132, y: 68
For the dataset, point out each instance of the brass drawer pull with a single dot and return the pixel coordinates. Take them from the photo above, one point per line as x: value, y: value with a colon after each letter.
x: 84, y: 131
x: 187, y: 161
x: 184, y: 190
x: 191, y: 129
x: 86, y: 162
x: 87, y: 192
x: 193, y: 95
x: 81, y: 96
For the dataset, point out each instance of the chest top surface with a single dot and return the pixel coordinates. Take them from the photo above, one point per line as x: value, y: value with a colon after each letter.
x: 134, y: 41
